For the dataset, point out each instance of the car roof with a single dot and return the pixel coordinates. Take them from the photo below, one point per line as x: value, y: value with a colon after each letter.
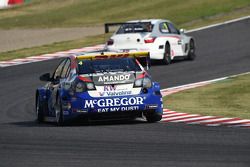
x: 153, y: 21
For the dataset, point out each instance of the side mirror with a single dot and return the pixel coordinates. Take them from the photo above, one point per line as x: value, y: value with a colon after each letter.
x: 45, y: 77
x: 182, y: 31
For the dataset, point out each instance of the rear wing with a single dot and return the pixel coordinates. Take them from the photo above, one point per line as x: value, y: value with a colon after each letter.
x: 108, y: 25
x: 103, y: 55
x: 141, y: 56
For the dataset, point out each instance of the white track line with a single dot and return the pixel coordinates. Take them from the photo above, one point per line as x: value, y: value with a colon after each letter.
x: 219, y: 24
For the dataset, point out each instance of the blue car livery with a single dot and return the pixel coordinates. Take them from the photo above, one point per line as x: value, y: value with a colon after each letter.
x: 98, y: 86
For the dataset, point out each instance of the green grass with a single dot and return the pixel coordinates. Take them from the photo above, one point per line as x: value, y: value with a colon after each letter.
x: 229, y: 98
x: 72, y: 13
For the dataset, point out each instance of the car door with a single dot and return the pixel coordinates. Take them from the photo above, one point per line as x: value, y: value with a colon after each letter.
x: 172, y: 35
x: 182, y: 42
x: 54, y: 86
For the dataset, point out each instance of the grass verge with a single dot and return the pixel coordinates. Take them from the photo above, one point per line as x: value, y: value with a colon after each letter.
x: 75, y: 13
x: 228, y: 98
x: 51, y: 48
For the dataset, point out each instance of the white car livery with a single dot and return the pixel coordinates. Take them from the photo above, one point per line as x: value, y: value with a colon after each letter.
x: 160, y: 37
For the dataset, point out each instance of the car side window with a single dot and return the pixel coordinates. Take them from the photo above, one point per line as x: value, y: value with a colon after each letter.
x: 172, y: 28
x: 65, y: 69
x: 164, y: 28
x: 58, y: 70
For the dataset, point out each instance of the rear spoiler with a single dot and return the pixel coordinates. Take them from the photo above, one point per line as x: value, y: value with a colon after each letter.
x: 102, y: 55
x: 108, y: 25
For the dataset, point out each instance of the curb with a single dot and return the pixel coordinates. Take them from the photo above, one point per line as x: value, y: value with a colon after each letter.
x: 173, y: 116
x: 44, y: 57
x: 177, y: 117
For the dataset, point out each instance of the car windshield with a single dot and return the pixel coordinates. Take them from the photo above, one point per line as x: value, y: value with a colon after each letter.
x: 141, y: 27
x: 107, y: 65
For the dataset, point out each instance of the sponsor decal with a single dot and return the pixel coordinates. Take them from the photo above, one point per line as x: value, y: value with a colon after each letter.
x: 112, y: 90
x: 114, y: 109
x: 114, y: 102
x: 120, y: 93
x: 114, y: 78
x: 109, y: 88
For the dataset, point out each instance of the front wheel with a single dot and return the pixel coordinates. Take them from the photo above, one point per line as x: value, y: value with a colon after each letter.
x: 191, y: 52
x: 153, y: 117
x: 167, y: 55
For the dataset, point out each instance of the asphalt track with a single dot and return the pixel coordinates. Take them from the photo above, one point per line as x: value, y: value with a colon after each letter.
x: 221, y: 51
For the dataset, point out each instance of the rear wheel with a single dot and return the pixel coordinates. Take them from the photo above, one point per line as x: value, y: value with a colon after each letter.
x: 153, y: 117
x: 191, y: 52
x: 59, y: 113
x: 39, y: 110
x: 167, y: 55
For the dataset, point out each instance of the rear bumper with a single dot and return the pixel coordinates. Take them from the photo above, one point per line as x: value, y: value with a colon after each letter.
x: 120, y: 107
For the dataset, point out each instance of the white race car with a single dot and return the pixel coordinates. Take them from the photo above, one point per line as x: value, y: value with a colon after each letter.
x: 160, y: 37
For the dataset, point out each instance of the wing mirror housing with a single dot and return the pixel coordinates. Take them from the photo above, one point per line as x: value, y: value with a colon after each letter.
x: 45, y: 77
x: 182, y: 31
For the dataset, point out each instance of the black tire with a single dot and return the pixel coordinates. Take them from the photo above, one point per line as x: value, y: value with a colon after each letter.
x: 167, y: 55
x: 191, y: 52
x: 39, y: 110
x: 153, y: 117
x: 59, y: 113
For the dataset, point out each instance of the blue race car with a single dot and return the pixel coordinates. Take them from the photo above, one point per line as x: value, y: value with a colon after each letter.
x: 99, y: 86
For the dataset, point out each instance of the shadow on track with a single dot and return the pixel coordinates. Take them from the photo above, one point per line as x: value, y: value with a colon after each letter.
x: 177, y: 61
x: 78, y: 123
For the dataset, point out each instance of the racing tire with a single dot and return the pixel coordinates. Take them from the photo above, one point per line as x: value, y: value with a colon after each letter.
x: 39, y: 110
x: 167, y: 55
x: 59, y: 113
x: 153, y: 117
x: 191, y: 52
